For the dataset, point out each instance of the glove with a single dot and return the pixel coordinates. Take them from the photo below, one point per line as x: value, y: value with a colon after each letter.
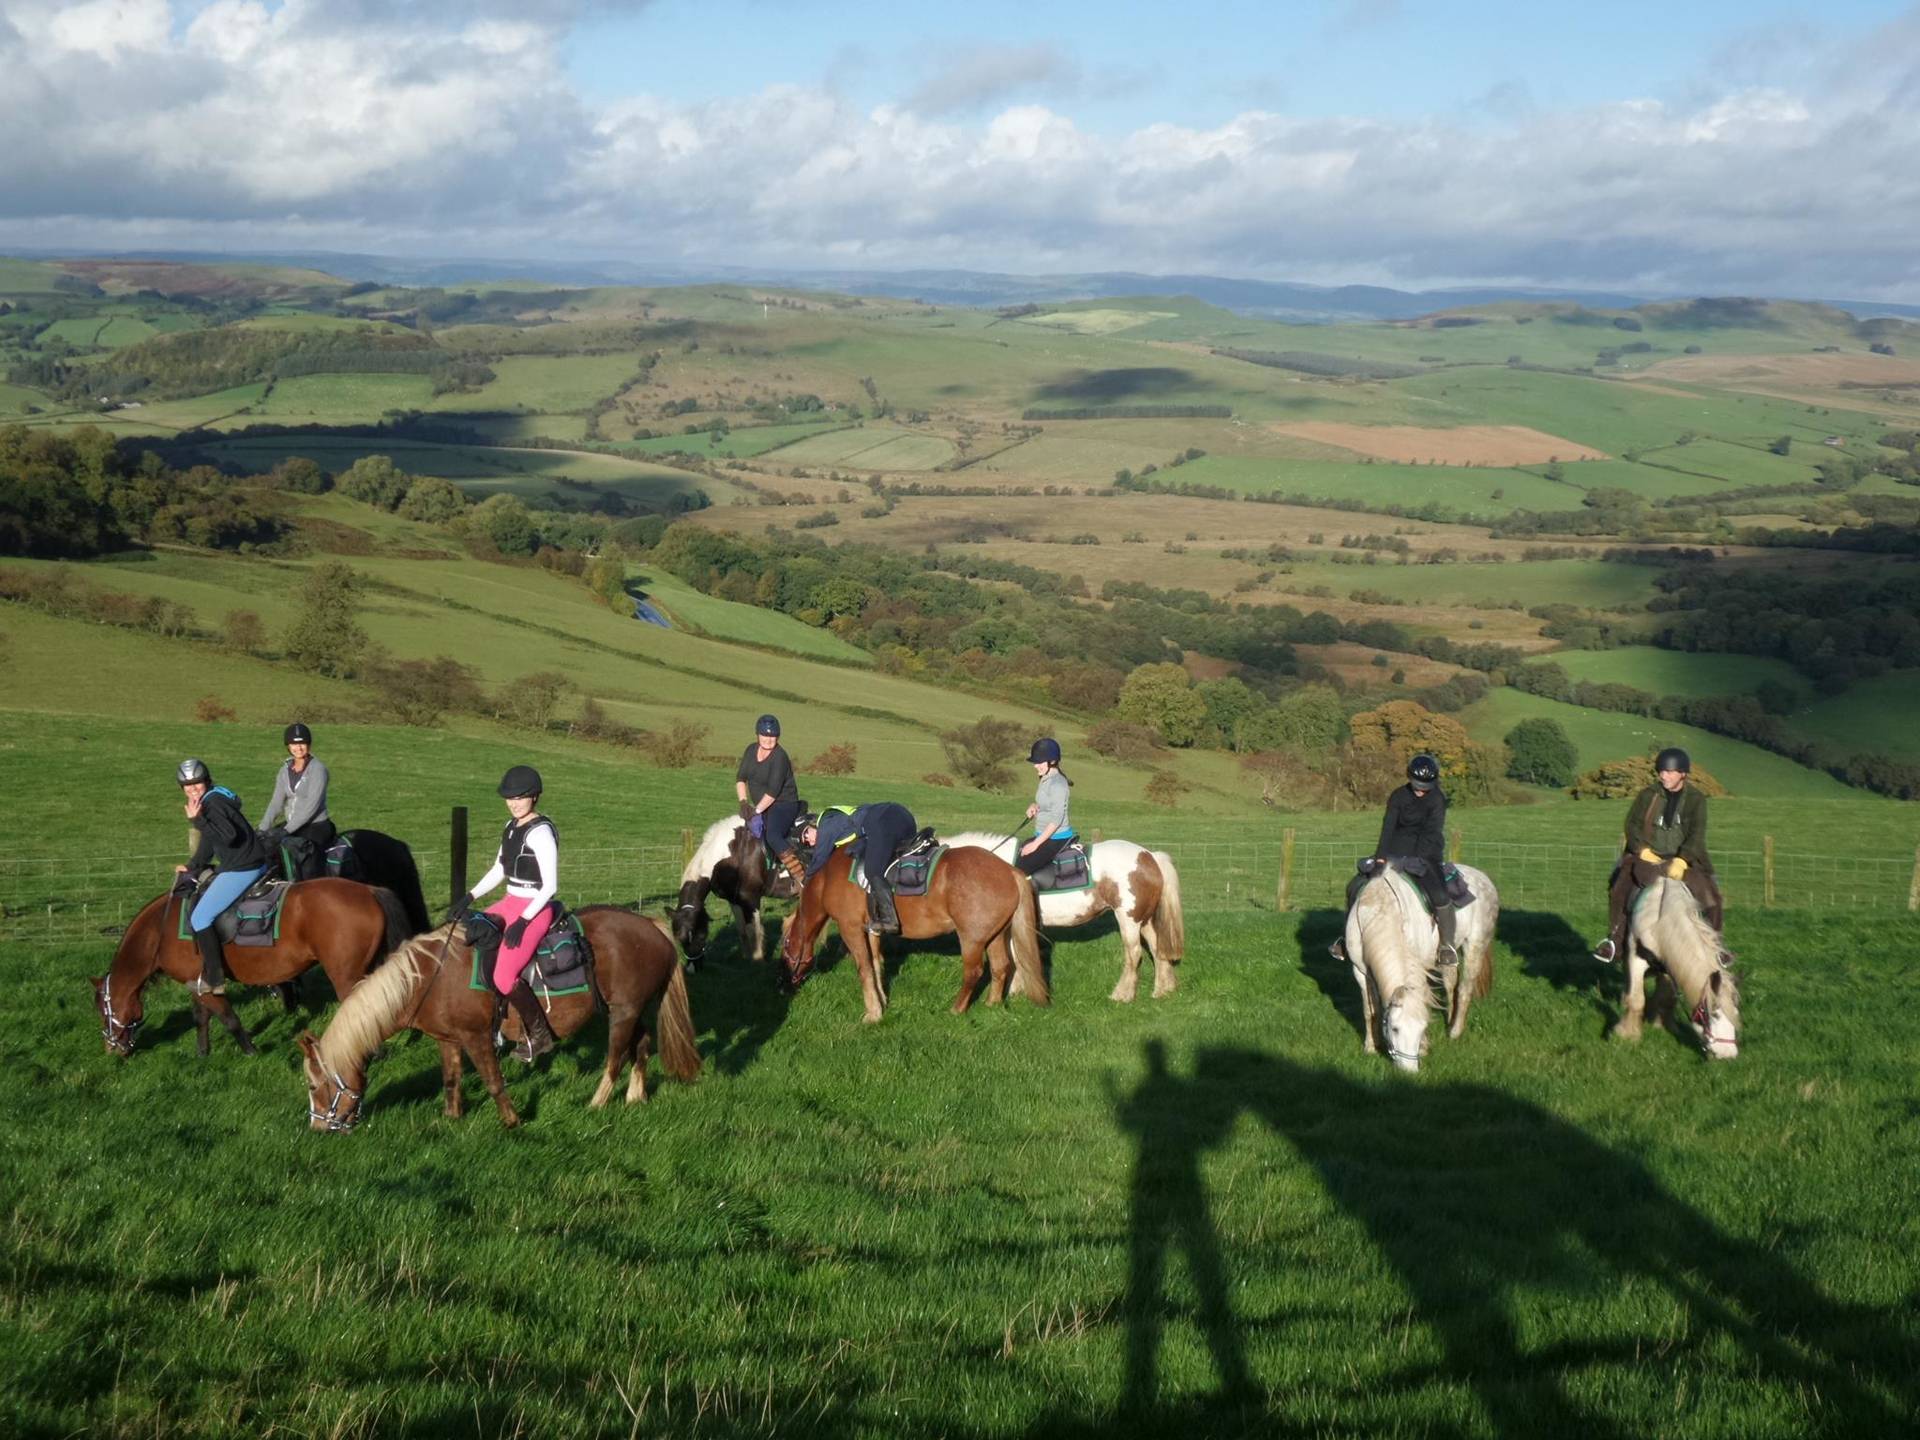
x: 1647, y: 854
x: 516, y: 932
x: 757, y: 826
x: 1676, y: 868
x: 746, y: 809
x: 461, y: 907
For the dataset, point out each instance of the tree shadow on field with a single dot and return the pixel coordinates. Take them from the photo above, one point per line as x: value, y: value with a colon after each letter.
x: 1485, y: 1205
x: 1316, y: 930
x: 1124, y: 383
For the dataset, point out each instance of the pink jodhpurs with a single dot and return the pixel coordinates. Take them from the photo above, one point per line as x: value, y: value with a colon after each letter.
x: 512, y: 959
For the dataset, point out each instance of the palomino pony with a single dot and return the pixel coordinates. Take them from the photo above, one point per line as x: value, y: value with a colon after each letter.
x: 340, y: 925
x: 1668, y: 928
x: 973, y: 894
x: 426, y: 986
x: 1139, y: 886
x: 1392, y: 943
x: 732, y: 864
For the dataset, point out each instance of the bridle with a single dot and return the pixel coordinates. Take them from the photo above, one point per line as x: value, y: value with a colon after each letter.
x: 331, y: 1117
x: 119, y: 1034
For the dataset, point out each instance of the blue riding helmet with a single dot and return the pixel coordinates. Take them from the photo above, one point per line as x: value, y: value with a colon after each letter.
x: 767, y: 725
x: 1046, y: 749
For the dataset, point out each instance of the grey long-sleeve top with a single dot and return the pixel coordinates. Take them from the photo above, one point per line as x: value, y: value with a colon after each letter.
x: 303, y: 797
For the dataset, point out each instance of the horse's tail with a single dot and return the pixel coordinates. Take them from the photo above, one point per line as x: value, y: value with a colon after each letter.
x: 1169, y: 919
x: 399, y: 924
x: 1026, y: 943
x: 1483, y: 972
x: 679, y: 1055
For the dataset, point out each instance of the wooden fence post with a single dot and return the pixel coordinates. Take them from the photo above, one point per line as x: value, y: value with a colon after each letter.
x: 1766, y: 871
x: 1913, y: 889
x: 686, y: 847
x: 1283, y: 894
x: 1453, y: 850
x: 1097, y: 836
x: 457, y: 848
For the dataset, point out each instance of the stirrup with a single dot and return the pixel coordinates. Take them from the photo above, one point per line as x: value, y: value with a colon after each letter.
x: 199, y: 986
x: 1446, y: 954
x: 1606, y: 952
x: 1338, y: 949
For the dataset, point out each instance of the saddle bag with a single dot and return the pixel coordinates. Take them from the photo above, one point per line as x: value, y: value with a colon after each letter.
x: 1069, y: 869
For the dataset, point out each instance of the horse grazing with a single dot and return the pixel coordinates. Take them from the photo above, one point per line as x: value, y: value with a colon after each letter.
x: 1668, y: 929
x: 340, y: 925
x: 1472, y: 978
x: 1391, y: 943
x: 426, y: 986
x: 1142, y: 890
x: 973, y: 894
x: 732, y: 864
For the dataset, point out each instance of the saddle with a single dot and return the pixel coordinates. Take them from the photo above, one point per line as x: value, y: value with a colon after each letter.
x: 562, y: 962
x: 1070, y: 869
x: 911, y: 871
x: 1415, y: 869
x: 253, y: 919
x: 342, y: 861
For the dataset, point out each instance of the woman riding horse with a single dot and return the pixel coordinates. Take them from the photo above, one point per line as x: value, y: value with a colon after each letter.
x: 874, y: 833
x: 1051, y: 830
x: 769, y: 798
x: 1666, y: 835
x: 225, y: 837
x: 529, y: 862
x: 1414, y: 827
x: 299, y: 801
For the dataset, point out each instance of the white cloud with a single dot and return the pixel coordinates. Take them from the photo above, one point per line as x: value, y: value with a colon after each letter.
x: 444, y: 127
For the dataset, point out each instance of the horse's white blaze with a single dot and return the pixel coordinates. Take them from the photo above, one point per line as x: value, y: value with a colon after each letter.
x: 714, y: 847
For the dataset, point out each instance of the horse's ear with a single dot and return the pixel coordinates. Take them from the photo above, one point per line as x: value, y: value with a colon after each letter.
x: 98, y: 982
x: 309, y: 1044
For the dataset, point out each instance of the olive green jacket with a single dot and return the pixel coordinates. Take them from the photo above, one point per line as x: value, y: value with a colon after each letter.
x: 1686, y: 837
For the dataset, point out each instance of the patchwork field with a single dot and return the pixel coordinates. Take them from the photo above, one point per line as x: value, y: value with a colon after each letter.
x: 1488, y: 445
x: 870, y: 447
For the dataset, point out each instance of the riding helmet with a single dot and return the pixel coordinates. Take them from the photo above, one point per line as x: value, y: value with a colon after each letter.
x: 521, y: 780
x: 801, y: 823
x: 1044, y: 749
x: 1673, y: 758
x: 193, y: 772
x: 1423, y: 771
x: 767, y: 725
x: 297, y: 731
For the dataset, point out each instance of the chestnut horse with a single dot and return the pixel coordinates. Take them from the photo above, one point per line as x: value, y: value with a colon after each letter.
x: 975, y: 895
x: 426, y: 986
x: 340, y: 925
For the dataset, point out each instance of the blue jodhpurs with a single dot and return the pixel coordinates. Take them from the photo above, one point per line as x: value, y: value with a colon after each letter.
x: 225, y: 888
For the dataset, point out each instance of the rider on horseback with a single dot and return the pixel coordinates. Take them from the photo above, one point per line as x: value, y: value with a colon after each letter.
x: 769, y: 798
x: 299, y: 799
x: 225, y: 837
x: 1666, y: 835
x: 1051, y: 830
x: 529, y: 862
x: 875, y: 833
x: 1415, y: 827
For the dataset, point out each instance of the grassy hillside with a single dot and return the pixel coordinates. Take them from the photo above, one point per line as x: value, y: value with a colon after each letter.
x: 1677, y: 672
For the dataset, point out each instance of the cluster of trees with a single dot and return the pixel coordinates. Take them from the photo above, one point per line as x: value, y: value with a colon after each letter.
x: 1835, y: 628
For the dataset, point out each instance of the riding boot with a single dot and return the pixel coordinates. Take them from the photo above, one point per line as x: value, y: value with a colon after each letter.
x: 533, y: 1020
x: 791, y: 863
x: 882, y: 918
x: 1443, y: 919
x: 213, y: 964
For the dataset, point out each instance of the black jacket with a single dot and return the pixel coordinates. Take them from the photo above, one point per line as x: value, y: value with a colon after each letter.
x: 1415, y: 825
x: 225, y: 835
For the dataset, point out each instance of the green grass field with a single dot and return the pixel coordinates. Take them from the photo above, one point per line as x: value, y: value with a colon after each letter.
x: 869, y: 447
x: 747, y: 441
x: 1209, y: 1213
x: 1874, y: 716
x: 1459, y: 489
x: 1597, y: 583
x: 1678, y: 672
x: 748, y: 624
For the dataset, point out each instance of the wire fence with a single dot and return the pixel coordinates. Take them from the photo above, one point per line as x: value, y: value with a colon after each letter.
x: 93, y: 897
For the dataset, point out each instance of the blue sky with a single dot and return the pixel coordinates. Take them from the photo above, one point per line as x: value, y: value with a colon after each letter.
x: 1697, y: 146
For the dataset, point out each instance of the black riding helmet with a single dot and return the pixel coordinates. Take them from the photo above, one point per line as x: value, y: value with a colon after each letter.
x: 521, y: 780
x: 296, y: 731
x: 1423, y: 771
x: 1673, y: 758
x: 193, y: 772
x: 767, y: 725
x: 1046, y: 749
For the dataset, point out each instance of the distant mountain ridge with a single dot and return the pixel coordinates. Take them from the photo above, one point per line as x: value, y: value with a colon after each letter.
x: 1271, y: 299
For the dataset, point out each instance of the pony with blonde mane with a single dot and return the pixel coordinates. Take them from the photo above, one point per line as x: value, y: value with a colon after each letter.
x: 1141, y: 889
x: 426, y: 986
x: 1391, y: 941
x: 1668, y: 931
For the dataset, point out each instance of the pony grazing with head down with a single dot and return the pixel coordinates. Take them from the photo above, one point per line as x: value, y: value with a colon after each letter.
x: 1668, y: 929
x: 732, y: 864
x: 1394, y: 945
x: 1141, y: 889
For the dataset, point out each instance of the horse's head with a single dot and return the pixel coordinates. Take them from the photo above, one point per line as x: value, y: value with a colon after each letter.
x: 1404, y: 1021
x: 121, y: 1015
x: 796, y: 947
x: 690, y: 922
x: 1716, y: 1015
x: 333, y: 1099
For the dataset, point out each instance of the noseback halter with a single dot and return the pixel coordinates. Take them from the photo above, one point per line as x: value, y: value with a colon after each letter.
x: 119, y: 1034
x: 331, y: 1117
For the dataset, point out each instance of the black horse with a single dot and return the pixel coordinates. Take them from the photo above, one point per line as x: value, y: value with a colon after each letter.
x: 388, y: 863
x: 734, y: 865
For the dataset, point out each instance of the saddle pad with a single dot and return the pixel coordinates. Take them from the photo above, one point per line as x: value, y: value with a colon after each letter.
x: 559, y: 964
x: 253, y: 919
x: 909, y: 875
x: 1068, y: 870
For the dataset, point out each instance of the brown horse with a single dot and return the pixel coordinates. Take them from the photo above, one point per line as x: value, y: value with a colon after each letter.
x: 974, y: 894
x: 342, y: 926
x: 426, y: 986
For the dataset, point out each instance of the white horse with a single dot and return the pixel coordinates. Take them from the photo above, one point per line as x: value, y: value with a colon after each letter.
x: 1472, y: 978
x: 1138, y: 885
x: 1668, y: 926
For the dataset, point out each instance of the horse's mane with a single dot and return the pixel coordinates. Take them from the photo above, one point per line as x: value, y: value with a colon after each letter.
x: 714, y: 847
x: 372, y: 1009
x: 1671, y: 925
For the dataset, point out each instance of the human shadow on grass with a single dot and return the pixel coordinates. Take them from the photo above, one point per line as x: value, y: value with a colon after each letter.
x: 1314, y: 932
x: 1480, y: 1201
